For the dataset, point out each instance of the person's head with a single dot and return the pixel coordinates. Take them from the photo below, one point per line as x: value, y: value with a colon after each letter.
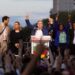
x: 61, y: 27
x: 5, y: 20
x: 73, y: 25
x: 17, y: 25
x: 40, y: 24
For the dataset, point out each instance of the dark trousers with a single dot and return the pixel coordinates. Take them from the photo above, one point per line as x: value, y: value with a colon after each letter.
x: 72, y: 49
x: 62, y: 48
x: 53, y: 49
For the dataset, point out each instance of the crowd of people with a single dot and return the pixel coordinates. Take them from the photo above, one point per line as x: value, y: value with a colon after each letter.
x: 62, y: 48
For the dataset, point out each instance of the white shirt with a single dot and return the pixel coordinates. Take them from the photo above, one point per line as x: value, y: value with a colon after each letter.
x: 39, y: 33
x: 74, y: 38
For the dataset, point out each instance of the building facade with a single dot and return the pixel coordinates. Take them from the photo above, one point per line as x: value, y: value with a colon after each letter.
x: 63, y: 5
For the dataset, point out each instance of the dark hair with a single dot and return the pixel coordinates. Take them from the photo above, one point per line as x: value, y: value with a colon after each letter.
x: 60, y: 24
x: 17, y: 22
x: 4, y: 18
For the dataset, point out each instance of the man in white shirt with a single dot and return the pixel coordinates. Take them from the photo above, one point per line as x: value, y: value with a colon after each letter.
x: 39, y: 31
x: 39, y: 26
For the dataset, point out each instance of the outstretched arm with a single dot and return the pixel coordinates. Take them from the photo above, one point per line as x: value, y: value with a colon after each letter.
x: 56, y: 23
x: 28, y: 22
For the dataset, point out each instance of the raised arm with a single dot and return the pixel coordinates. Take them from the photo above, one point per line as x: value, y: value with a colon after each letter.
x: 28, y: 22
x: 56, y: 24
x: 68, y: 25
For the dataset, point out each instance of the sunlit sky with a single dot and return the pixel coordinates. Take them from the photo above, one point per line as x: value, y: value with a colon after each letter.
x: 34, y: 8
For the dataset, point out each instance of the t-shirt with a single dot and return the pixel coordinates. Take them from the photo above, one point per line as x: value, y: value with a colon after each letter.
x: 39, y: 33
x: 62, y: 37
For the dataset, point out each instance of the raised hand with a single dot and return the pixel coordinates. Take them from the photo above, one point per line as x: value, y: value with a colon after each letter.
x: 50, y: 20
x: 27, y: 17
x: 57, y: 17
